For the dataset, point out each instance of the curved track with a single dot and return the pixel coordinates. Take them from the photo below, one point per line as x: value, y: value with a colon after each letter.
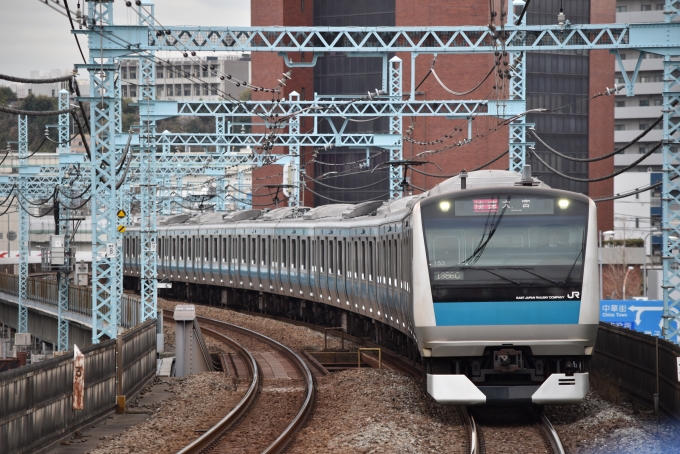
x: 218, y: 437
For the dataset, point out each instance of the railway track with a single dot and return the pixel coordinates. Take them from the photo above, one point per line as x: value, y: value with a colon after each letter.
x: 252, y: 413
x: 533, y: 428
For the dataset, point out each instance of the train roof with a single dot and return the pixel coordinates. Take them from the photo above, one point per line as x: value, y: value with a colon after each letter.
x: 346, y: 211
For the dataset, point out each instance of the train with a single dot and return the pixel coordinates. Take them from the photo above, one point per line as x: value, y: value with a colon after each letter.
x: 489, y: 280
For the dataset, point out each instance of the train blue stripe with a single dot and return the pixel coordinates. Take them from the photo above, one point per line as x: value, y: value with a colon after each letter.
x: 507, y: 313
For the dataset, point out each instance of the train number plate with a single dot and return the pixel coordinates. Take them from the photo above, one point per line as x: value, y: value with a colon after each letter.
x: 448, y: 276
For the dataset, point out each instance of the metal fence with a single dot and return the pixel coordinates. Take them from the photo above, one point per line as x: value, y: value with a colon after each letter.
x: 79, y: 298
x: 641, y: 364
x: 36, y: 400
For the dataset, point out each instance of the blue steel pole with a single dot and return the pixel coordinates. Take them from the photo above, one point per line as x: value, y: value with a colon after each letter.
x: 103, y: 178
x: 395, y: 69
x: 147, y: 142
x: 63, y: 275
x: 23, y: 224
x: 671, y: 198
x: 517, y: 88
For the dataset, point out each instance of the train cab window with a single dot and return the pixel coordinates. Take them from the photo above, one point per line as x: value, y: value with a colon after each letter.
x: 244, y: 251
x: 174, y: 248
x: 322, y: 249
x: 339, y: 258
x: 263, y: 252
x: 215, y: 256
x: 224, y: 250
x: 370, y: 260
x: 331, y: 256
x: 303, y: 254
x: 293, y: 254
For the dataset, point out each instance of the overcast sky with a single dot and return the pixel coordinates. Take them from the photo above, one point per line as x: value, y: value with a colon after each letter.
x: 36, y: 37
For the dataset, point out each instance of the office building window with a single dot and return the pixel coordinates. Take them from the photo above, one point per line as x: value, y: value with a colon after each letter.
x: 123, y: 72
x: 643, y: 150
x: 197, y: 90
x: 620, y: 103
x: 623, y: 56
x: 646, y: 7
x: 621, y: 9
x: 133, y: 91
x: 213, y: 89
x: 658, y: 102
x: 187, y: 90
x: 159, y: 72
x: 645, y: 79
x: 619, y: 127
x: 124, y: 91
x: 643, y: 126
x: 637, y: 223
x: 170, y: 92
x: 178, y: 90
x: 644, y: 102
x: 659, y: 7
x: 159, y: 91
x: 133, y: 73
x: 302, y: 5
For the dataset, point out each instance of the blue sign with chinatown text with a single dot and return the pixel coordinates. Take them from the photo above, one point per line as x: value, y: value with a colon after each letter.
x: 638, y: 315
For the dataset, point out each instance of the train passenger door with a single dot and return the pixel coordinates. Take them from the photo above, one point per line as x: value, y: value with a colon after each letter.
x: 295, y: 266
x: 340, y: 271
x: 304, y: 269
x: 314, y: 269
x: 324, y: 295
x: 333, y: 270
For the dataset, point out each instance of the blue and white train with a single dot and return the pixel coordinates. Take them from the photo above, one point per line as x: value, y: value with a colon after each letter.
x: 492, y: 285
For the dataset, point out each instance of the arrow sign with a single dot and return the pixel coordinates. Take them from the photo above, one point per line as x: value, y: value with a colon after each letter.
x: 121, y: 214
x: 121, y: 228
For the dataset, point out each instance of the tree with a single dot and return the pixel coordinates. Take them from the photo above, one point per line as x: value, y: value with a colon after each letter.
x: 7, y: 95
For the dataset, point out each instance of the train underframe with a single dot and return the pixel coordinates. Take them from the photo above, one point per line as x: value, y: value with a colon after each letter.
x: 293, y: 308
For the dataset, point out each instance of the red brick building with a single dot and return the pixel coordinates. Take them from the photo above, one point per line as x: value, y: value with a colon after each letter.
x: 557, y: 79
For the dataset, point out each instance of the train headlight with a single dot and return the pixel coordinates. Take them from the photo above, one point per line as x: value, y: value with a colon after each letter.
x: 445, y: 206
x: 563, y: 203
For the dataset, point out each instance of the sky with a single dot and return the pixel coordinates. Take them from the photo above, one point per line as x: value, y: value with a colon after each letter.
x: 36, y: 37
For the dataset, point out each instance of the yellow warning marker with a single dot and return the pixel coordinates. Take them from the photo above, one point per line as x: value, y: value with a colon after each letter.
x: 121, y: 214
x: 121, y: 228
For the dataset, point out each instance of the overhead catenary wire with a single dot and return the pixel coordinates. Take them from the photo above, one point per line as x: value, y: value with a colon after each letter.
x: 35, y: 113
x: 593, y: 180
x: 455, y: 174
x: 344, y: 201
x: 35, y: 81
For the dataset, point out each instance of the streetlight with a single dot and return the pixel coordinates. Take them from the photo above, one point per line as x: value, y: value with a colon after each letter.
x: 599, y: 255
x: 630, y: 268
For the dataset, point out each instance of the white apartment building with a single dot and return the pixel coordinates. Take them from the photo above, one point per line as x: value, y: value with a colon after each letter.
x: 638, y: 215
x: 204, y: 82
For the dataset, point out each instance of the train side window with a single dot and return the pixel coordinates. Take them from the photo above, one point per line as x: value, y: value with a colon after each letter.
x: 181, y: 248
x: 253, y: 251
x: 322, y: 261
x: 370, y: 260
x: 174, y: 248
x: 303, y: 254
x: 224, y: 250
x: 284, y: 256
x: 313, y: 258
x: 331, y: 256
x: 215, y: 251
x: 263, y: 252
x: 293, y: 253
x: 189, y: 256
x: 132, y: 249
x: 340, y: 258
x: 244, y: 251
x: 363, y: 260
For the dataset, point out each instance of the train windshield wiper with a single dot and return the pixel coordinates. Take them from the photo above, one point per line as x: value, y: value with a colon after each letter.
x: 535, y: 274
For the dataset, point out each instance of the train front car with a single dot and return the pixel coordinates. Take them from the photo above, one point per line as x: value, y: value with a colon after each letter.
x: 506, y: 312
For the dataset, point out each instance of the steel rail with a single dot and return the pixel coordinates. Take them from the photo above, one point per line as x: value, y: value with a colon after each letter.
x: 241, y: 409
x: 551, y: 434
x: 310, y: 396
x: 471, y: 426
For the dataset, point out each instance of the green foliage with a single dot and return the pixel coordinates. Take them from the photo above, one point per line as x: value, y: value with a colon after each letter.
x: 629, y: 242
x: 130, y: 115
x: 7, y: 96
x: 36, y: 125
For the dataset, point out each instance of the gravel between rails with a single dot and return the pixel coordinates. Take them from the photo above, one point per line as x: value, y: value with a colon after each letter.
x: 508, y: 430
x: 196, y: 402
